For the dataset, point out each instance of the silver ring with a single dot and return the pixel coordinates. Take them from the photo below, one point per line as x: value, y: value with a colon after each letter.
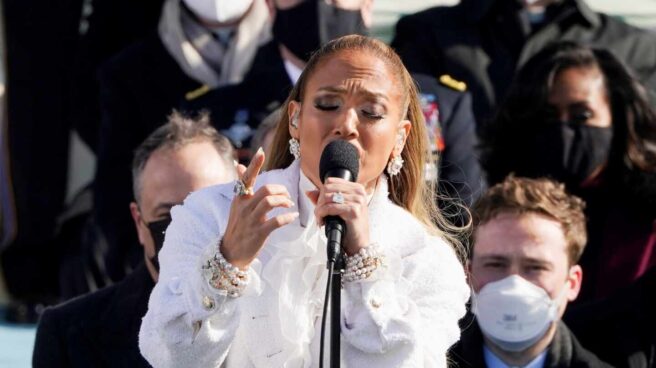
x: 240, y: 189
x: 338, y: 198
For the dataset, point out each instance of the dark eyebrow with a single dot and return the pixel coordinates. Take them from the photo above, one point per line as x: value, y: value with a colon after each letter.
x: 342, y: 90
x: 493, y: 257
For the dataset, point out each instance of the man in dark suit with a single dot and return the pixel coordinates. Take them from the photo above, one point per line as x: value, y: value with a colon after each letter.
x: 101, y: 329
x: 193, y: 48
x: 483, y: 42
x: 528, y: 236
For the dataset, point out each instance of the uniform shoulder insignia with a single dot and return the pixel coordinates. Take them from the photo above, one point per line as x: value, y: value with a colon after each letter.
x: 192, y: 95
x: 448, y: 81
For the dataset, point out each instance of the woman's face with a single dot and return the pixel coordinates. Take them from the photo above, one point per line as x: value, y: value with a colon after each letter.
x: 578, y: 95
x: 353, y: 96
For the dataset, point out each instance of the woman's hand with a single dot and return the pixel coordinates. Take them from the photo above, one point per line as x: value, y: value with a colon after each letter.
x: 248, y: 226
x: 353, y: 211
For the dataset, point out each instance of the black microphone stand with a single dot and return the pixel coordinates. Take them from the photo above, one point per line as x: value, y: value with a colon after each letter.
x: 336, y: 265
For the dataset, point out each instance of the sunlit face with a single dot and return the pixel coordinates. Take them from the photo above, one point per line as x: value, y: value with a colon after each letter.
x: 529, y: 245
x: 578, y: 95
x: 351, y: 95
x: 169, y: 176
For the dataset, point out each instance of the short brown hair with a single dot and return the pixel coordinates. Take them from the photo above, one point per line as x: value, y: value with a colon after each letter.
x: 541, y: 196
x: 178, y: 131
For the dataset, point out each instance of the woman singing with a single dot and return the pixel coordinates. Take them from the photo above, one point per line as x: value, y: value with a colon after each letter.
x: 243, y: 267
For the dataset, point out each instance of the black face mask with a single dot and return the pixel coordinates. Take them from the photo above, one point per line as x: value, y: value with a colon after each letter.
x: 568, y: 152
x: 157, y: 232
x: 308, y: 25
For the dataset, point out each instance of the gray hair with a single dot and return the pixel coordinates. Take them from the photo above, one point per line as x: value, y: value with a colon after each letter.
x: 178, y: 131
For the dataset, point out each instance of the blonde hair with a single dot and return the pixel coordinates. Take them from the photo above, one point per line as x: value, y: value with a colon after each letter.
x: 408, y: 189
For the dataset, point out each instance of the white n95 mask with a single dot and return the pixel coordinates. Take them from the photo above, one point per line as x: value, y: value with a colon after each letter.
x: 514, y: 313
x: 219, y: 10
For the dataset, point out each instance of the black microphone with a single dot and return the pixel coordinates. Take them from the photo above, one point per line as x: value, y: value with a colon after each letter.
x: 339, y: 159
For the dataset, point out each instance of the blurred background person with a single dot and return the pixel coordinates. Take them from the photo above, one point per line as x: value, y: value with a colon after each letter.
x: 198, y: 44
x: 451, y: 128
x: 299, y: 27
x: 620, y: 329
x: 101, y: 328
x: 53, y: 98
x: 527, y: 239
x: 577, y: 115
x: 484, y: 42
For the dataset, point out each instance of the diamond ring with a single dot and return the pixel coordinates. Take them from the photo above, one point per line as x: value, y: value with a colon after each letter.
x: 338, y: 198
x: 240, y: 189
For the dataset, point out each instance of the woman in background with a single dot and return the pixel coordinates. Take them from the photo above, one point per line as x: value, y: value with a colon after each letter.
x: 577, y: 115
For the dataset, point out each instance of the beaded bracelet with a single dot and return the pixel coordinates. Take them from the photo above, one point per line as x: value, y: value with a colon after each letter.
x: 223, y: 276
x: 362, y: 264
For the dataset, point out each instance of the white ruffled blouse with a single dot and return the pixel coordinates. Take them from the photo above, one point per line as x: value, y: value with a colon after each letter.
x: 404, y: 315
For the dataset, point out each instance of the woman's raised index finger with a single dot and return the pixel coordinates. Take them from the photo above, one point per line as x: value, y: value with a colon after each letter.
x: 253, y: 169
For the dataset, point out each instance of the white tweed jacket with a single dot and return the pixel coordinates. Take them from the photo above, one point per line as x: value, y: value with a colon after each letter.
x: 404, y: 316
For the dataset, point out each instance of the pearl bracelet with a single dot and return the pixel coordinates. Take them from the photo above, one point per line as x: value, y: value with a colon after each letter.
x: 362, y: 264
x: 224, y: 276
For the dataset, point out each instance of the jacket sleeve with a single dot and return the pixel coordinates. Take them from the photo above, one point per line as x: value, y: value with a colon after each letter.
x: 188, y: 323
x: 49, y: 349
x: 407, y: 316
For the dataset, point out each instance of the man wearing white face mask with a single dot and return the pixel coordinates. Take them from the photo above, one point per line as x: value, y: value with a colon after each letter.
x: 199, y: 44
x: 528, y: 237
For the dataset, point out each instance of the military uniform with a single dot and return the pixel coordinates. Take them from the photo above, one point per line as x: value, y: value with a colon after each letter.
x: 238, y: 109
x: 484, y: 42
x: 459, y: 170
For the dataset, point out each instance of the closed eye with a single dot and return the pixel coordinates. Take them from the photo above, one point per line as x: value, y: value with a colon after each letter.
x: 326, y: 107
x: 372, y: 115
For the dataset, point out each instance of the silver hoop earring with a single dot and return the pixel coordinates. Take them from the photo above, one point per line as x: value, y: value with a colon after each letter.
x: 295, y: 148
x: 395, y: 165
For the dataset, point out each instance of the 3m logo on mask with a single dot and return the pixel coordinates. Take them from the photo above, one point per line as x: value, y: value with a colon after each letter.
x: 514, y: 313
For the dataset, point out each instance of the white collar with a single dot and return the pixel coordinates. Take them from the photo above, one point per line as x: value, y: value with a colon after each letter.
x: 293, y: 72
x: 493, y: 361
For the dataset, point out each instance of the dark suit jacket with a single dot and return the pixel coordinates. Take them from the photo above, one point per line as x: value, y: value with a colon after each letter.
x: 483, y: 43
x: 264, y: 88
x: 563, y: 352
x: 138, y: 89
x: 39, y: 46
x: 96, y: 330
x: 622, y: 328
x: 459, y: 168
